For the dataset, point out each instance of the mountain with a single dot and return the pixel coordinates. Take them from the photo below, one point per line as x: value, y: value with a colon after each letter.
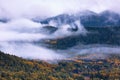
x: 95, y: 35
x: 102, y: 28
x: 60, y: 19
x: 103, y: 19
x: 90, y: 19
x: 87, y: 18
x: 110, y: 18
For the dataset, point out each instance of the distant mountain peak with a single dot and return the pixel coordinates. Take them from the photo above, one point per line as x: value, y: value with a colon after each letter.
x: 87, y: 18
x: 109, y: 13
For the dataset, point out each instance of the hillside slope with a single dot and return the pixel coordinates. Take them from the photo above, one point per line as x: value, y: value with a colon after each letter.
x: 15, y: 68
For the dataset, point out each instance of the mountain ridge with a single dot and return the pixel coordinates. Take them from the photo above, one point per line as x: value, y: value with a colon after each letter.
x: 87, y: 19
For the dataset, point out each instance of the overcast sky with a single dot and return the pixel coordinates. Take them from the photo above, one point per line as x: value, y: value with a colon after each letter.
x: 46, y: 8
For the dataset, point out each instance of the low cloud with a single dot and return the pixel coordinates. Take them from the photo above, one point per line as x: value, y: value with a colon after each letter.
x: 17, y: 35
x: 27, y: 50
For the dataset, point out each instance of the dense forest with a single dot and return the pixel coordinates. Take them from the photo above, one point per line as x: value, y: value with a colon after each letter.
x: 16, y: 68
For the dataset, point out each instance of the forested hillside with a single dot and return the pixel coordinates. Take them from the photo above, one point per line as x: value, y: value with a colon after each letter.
x: 15, y: 68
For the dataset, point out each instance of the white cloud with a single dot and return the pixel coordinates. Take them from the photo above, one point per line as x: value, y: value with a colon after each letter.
x: 28, y: 50
x: 46, y: 8
x: 20, y: 10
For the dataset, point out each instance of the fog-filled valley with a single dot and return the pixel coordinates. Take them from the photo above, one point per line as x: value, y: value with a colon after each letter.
x: 62, y: 36
x: 45, y: 31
